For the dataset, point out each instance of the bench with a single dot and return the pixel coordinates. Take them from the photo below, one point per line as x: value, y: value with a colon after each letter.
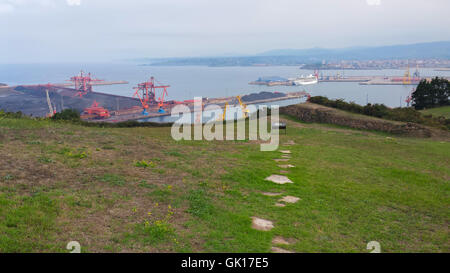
x: 280, y: 126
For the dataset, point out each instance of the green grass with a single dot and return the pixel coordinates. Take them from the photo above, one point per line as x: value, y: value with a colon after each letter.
x: 27, y: 223
x: 199, y: 204
x: 443, y: 111
x: 113, y: 179
x: 355, y: 186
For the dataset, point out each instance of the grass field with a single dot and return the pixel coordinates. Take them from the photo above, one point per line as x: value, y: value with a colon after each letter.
x: 137, y: 190
x: 438, y: 111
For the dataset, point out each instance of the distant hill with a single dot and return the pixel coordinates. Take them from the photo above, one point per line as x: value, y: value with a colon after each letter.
x: 433, y: 50
x: 412, y: 51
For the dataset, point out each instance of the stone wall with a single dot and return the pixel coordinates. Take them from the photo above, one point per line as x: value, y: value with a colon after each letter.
x: 309, y: 112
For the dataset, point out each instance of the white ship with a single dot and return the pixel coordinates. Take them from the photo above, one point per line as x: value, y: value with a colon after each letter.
x: 311, y: 79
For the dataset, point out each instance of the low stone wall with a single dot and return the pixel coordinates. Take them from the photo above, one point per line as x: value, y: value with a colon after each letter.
x: 309, y: 112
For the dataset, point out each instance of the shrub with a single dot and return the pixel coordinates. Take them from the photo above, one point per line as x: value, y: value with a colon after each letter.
x: 144, y: 164
x: 67, y: 114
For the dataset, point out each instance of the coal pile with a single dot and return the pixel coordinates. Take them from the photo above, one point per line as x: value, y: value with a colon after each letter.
x: 32, y: 101
x: 262, y: 96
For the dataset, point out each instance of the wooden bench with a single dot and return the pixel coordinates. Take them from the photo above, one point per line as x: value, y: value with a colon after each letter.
x: 280, y: 126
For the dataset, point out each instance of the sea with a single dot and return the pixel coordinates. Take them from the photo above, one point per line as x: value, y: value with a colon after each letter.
x: 187, y: 82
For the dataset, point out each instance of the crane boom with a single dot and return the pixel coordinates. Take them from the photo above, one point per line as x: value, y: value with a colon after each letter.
x: 245, y: 111
x: 50, y: 108
x: 224, y: 115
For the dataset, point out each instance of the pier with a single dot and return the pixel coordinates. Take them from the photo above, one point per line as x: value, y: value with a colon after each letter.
x: 362, y: 80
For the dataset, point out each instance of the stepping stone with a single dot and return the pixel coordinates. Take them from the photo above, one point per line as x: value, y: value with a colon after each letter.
x: 282, y: 160
x: 289, y: 199
x: 280, y: 250
x: 278, y: 240
x: 279, y: 179
x: 285, y: 151
x: 280, y: 205
x: 286, y: 166
x: 284, y: 172
x: 271, y: 193
x: 261, y: 224
x: 285, y: 156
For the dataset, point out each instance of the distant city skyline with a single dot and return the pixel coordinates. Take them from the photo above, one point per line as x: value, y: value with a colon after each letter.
x: 102, y: 30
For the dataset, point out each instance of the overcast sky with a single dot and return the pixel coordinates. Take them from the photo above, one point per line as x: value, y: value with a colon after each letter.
x: 101, y: 30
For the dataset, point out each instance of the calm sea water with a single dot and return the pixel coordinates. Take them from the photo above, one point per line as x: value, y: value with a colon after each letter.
x: 189, y: 81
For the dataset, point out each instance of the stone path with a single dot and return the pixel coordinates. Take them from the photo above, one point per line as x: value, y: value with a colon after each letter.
x: 278, y: 240
x: 280, y: 250
x: 279, y: 179
x: 289, y: 199
x: 286, y: 166
x: 261, y: 224
x: 271, y: 193
x: 266, y: 225
x: 281, y: 159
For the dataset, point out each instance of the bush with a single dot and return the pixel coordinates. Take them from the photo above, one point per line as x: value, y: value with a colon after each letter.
x: 4, y: 114
x: 67, y: 114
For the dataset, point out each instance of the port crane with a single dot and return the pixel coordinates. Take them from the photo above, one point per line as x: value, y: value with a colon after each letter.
x: 161, y: 101
x: 224, y: 114
x: 245, y: 111
x: 83, y: 83
x: 407, y: 77
x: 146, y: 93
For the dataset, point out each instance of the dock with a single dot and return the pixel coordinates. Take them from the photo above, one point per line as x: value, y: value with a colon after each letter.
x: 362, y: 80
x: 135, y: 113
x: 121, y: 108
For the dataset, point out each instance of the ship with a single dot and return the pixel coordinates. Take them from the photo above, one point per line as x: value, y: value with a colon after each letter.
x: 311, y: 79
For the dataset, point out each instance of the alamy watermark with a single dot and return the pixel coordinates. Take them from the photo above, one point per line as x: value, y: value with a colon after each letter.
x: 213, y: 128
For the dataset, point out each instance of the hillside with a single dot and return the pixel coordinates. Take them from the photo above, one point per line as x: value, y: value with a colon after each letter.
x: 443, y: 111
x: 433, y: 50
x: 137, y: 190
x: 408, y: 51
x: 312, y: 112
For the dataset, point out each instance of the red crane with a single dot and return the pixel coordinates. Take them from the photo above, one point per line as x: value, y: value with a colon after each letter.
x: 83, y: 83
x: 146, y: 92
x: 409, y: 97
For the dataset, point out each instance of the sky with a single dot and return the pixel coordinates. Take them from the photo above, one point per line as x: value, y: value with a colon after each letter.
x: 103, y: 30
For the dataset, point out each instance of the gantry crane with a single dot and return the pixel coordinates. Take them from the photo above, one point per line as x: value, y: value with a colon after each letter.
x: 83, y: 83
x: 161, y: 102
x: 146, y: 92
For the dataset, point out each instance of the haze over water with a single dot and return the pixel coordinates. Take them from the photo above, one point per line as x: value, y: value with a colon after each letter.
x: 189, y: 81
